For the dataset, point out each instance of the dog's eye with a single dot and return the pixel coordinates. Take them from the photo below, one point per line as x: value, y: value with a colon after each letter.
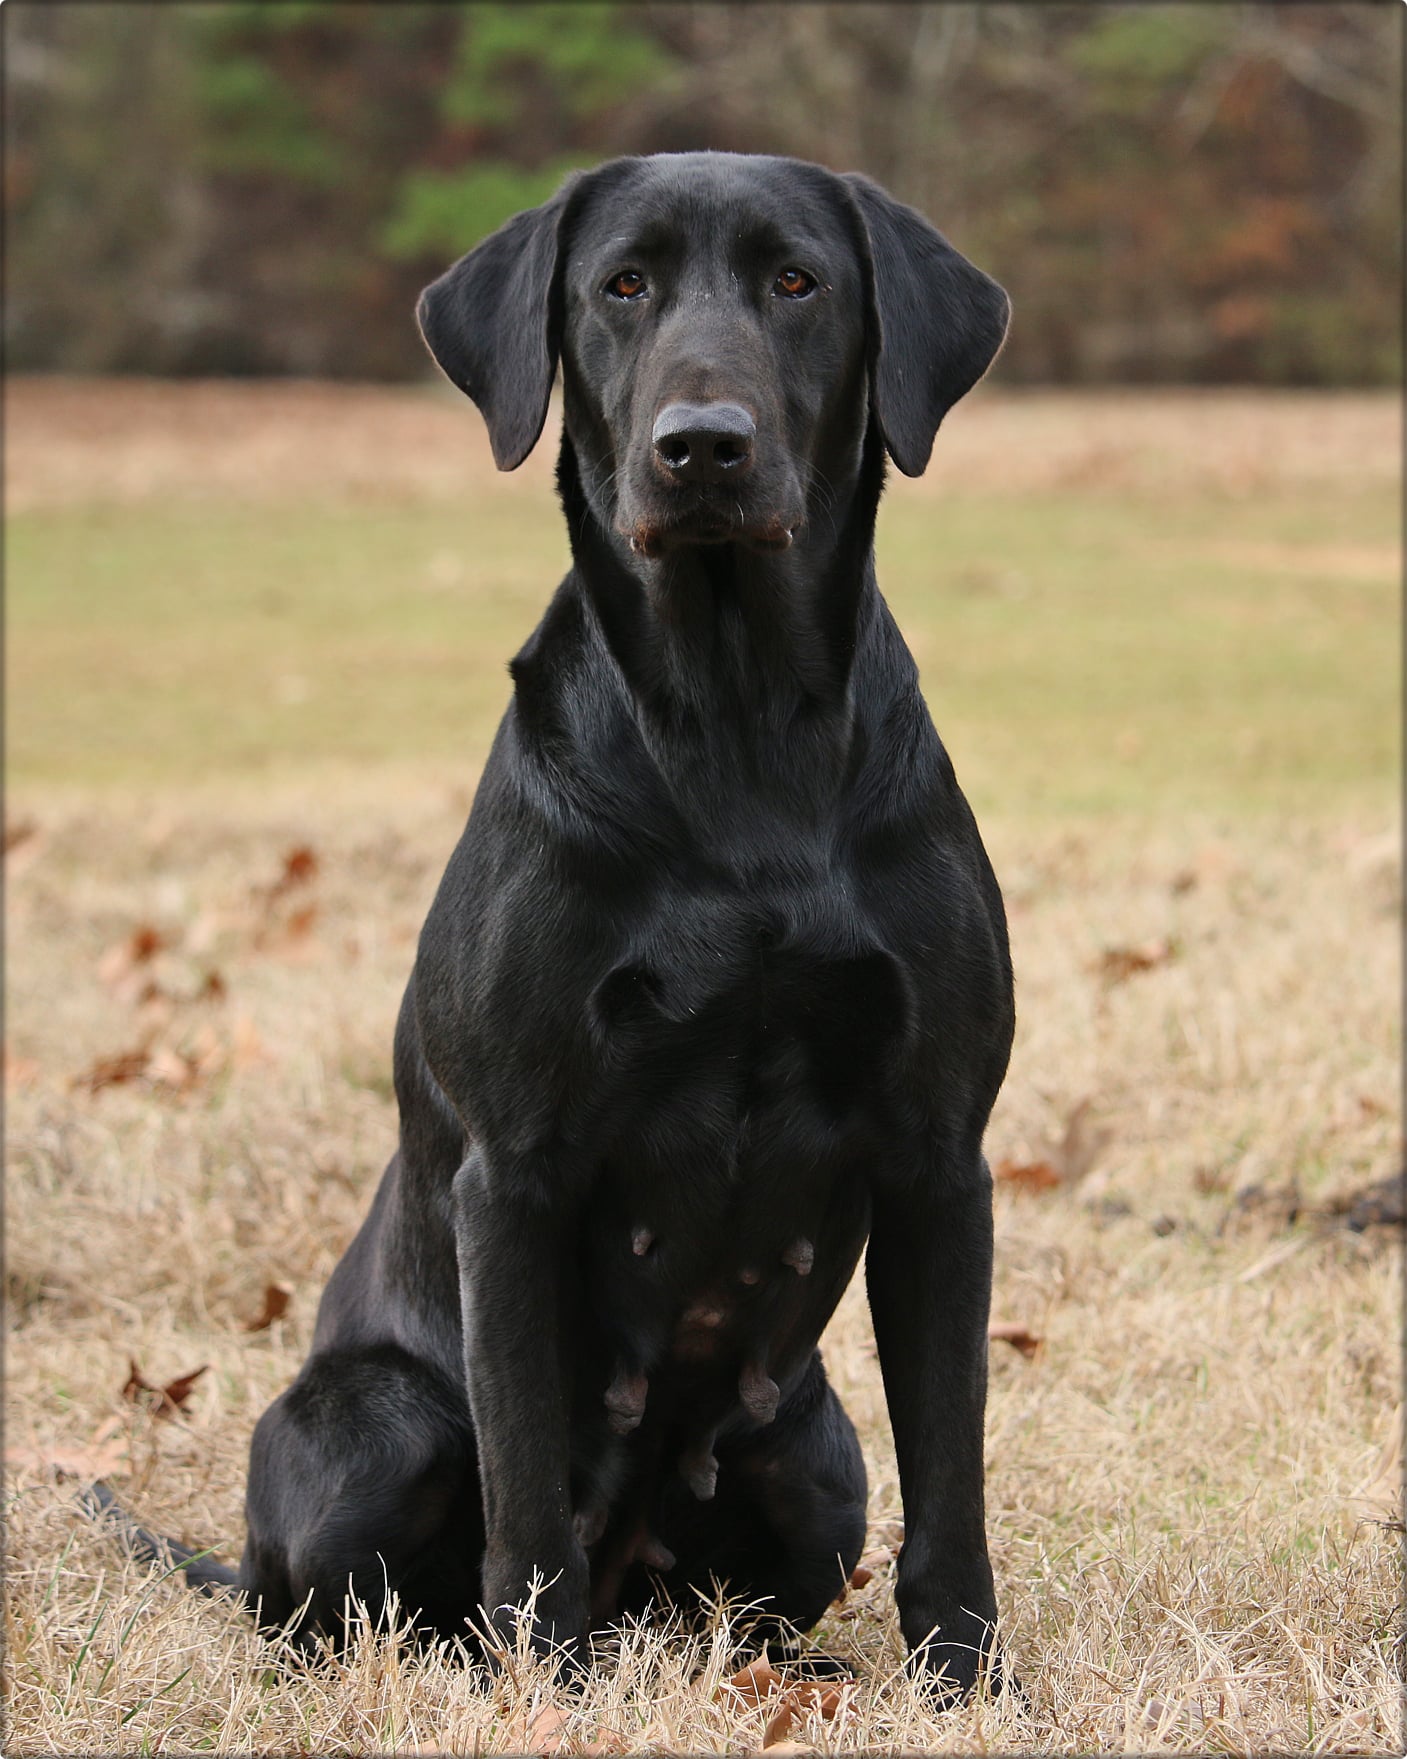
x: 793, y: 284
x: 627, y: 285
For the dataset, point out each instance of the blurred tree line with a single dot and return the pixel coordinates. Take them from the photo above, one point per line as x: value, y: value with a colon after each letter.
x: 1171, y: 192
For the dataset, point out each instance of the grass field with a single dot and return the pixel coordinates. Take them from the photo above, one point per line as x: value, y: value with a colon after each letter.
x: 1160, y: 635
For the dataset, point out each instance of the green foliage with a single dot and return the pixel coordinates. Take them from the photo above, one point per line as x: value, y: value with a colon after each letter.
x: 447, y: 212
x: 1170, y: 190
x: 256, y: 123
x: 1125, y: 50
x: 588, y: 56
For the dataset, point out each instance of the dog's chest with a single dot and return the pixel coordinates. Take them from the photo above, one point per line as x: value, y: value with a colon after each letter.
x: 732, y: 1200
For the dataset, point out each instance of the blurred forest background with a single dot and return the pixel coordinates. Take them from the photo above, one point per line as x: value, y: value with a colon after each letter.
x: 1181, y: 193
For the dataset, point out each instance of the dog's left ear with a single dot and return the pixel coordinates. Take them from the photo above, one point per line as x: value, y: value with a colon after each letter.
x: 494, y: 324
x: 938, y: 323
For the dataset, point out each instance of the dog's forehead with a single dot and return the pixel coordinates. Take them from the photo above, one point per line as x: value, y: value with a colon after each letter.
x: 711, y: 200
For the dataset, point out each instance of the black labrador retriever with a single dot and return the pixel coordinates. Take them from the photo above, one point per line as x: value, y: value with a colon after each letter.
x: 715, y: 988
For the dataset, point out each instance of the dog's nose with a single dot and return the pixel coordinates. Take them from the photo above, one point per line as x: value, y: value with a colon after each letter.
x: 704, y: 442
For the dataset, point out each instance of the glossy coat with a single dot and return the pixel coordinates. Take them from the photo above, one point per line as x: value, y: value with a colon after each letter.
x: 715, y: 988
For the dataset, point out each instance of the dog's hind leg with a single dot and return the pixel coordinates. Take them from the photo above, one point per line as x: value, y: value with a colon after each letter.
x: 786, y: 1525
x: 363, y: 1486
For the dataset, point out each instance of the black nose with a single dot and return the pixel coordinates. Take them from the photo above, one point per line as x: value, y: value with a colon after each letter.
x: 704, y: 442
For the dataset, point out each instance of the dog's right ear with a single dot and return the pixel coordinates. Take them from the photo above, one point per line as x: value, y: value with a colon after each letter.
x: 494, y: 325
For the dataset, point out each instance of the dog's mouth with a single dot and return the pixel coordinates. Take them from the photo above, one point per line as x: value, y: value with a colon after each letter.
x: 653, y: 538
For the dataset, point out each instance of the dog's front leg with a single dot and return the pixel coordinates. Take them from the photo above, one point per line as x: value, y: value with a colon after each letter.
x: 510, y: 1242
x: 929, y: 1273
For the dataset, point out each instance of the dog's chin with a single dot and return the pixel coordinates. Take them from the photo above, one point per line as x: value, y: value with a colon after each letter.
x: 652, y: 540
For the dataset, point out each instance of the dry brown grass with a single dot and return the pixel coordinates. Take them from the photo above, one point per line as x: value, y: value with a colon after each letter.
x: 1187, y: 1482
x: 1192, y: 1483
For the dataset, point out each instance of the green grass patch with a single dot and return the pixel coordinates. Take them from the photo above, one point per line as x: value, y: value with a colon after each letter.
x: 1080, y: 650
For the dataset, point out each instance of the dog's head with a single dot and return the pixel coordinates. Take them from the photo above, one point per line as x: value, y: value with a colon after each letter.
x: 724, y: 324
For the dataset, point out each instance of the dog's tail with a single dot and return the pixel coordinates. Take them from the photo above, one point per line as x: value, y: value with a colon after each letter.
x: 200, y: 1570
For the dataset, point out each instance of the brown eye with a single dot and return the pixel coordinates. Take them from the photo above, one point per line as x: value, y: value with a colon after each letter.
x: 793, y: 284
x: 626, y: 285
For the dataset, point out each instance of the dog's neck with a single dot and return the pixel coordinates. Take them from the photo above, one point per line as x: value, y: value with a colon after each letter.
x: 738, y: 661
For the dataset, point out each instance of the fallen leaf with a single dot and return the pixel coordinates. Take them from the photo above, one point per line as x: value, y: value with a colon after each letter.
x: 1008, y: 1332
x: 1116, y: 964
x: 825, y: 1696
x: 18, y: 831
x: 162, y: 1401
x: 287, y: 934
x: 19, y: 1071
x: 879, y: 1559
x: 300, y: 922
x: 861, y: 1577
x: 246, y: 1047
x: 104, y: 1455
x: 114, y: 1071
x: 1037, y: 1175
x: 547, y: 1730
x: 300, y: 865
x: 172, y: 1068
x: 1081, y: 1145
x: 276, y: 1299
x: 138, y: 948
x: 213, y: 988
x: 779, y: 1724
x: 758, y: 1680
x: 300, y: 868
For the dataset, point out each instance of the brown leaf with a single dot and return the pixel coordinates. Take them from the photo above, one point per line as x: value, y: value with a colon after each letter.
x: 300, y: 868
x: 18, y: 831
x: 547, y: 1730
x: 300, y: 865
x: 276, y: 1299
x: 138, y: 948
x: 825, y: 1696
x: 114, y: 1071
x: 213, y: 988
x: 104, y: 1455
x: 162, y: 1401
x: 1036, y: 1175
x: 779, y: 1723
x: 1117, y: 964
x: 172, y: 1068
x: 861, y: 1576
x: 1081, y: 1145
x: 878, y: 1559
x: 1008, y: 1332
x: 756, y: 1681
x: 289, y: 934
x: 19, y: 1072
x: 246, y: 1047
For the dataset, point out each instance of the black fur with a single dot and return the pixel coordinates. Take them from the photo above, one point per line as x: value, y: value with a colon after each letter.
x: 715, y: 988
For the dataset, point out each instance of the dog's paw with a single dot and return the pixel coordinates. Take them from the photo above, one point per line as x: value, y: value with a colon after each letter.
x: 528, y: 1611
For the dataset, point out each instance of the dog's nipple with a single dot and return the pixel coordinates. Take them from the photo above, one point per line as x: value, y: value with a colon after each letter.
x: 699, y: 1469
x: 625, y: 1400
x: 641, y: 1241
x: 759, y: 1393
x: 800, y: 1255
x: 589, y: 1523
